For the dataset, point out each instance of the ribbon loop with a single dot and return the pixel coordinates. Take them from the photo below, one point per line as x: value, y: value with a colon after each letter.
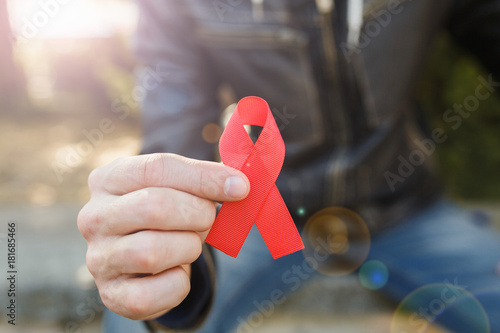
x: 261, y: 162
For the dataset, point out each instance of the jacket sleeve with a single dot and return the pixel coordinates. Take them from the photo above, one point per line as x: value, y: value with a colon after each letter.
x: 176, y: 86
x: 177, y: 91
x: 475, y: 24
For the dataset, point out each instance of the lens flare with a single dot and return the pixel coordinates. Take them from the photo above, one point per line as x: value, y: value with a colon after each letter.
x: 301, y: 211
x: 373, y: 274
x: 211, y: 133
x: 337, y: 239
x: 446, y: 304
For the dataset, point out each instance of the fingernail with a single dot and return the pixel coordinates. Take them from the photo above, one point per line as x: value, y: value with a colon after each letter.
x: 235, y: 187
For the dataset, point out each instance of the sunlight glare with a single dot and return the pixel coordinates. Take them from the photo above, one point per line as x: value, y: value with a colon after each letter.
x: 71, y: 18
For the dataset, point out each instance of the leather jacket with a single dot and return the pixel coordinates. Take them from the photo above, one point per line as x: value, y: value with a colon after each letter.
x: 338, y: 76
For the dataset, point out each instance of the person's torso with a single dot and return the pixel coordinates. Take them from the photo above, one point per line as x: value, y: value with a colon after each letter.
x: 344, y: 109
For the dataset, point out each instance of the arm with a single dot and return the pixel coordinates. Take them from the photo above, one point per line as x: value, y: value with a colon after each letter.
x: 185, y: 100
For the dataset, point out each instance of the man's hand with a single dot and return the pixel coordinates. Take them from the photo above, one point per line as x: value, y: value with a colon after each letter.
x: 145, y: 223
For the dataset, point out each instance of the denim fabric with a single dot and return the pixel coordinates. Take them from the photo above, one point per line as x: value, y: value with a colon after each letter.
x: 441, y: 244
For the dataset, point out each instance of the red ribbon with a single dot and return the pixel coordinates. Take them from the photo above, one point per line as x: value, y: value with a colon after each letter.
x: 261, y: 163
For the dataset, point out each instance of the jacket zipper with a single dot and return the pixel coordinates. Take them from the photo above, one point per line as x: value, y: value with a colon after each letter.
x: 325, y: 9
x: 336, y: 188
x: 258, y: 10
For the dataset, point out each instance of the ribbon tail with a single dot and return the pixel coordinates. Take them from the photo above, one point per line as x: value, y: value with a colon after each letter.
x: 230, y: 229
x: 277, y: 227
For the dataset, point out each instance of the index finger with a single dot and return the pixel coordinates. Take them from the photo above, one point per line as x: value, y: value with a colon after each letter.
x: 205, y: 179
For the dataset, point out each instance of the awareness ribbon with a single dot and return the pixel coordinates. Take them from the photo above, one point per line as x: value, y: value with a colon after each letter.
x: 261, y: 163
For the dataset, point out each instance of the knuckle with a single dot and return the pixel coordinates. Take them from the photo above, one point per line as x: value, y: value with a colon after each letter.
x: 112, y: 294
x: 152, y: 205
x: 208, y: 184
x: 94, y: 261
x: 86, y: 221
x: 81, y: 221
x: 146, y: 258
x: 153, y: 169
x: 107, y: 296
x: 92, y: 220
x: 136, y: 303
x: 94, y: 179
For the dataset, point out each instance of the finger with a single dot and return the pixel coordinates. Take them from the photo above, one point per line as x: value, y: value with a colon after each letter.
x: 209, y: 180
x: 151, y: 252
x: 143, y: 297
x: 148, y: 208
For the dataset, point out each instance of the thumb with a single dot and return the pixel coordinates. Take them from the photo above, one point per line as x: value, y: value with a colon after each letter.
x: 236, y: 186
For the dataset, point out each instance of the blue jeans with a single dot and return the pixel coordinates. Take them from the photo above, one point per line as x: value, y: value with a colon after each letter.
x: 437, y: 256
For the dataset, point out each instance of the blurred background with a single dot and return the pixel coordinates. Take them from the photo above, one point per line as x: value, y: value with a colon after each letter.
x: 67, y: 106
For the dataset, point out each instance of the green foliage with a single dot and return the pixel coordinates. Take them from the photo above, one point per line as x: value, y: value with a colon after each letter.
x: 469, y: 160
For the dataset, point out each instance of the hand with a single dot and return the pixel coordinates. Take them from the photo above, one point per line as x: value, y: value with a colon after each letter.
x: 145, y: 223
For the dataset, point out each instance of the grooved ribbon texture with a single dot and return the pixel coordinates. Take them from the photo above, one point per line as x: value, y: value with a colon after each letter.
x: 261, y: 163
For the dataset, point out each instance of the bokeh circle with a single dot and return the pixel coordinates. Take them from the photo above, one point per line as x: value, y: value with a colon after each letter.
x: 446, y: 304
x: 337, y: 239
x: 211, y: 133
x: 301, y: 211
x: 373, y: 274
